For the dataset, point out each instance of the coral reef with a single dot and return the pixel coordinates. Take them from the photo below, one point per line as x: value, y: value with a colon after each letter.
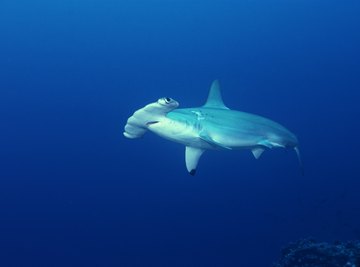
x: 309, y: 253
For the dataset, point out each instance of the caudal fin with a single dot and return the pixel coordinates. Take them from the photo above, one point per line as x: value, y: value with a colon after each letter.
x: 299, y: 159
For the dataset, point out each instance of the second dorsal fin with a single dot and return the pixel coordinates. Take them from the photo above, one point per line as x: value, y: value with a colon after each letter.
x: 214, y: 99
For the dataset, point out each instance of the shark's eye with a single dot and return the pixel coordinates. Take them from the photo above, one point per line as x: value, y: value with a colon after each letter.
x: 168, y: 102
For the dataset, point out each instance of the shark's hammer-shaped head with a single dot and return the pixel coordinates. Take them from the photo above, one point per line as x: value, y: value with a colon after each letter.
x: 139, y: 122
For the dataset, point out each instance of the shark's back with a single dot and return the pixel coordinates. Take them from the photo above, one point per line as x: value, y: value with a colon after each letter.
x: 233, y: 128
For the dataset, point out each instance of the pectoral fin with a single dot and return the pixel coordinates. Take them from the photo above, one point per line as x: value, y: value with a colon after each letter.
x: 257, y: 152
x: 192, y: 156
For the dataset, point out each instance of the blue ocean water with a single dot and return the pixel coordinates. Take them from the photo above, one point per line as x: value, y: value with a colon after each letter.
x: 75, y: 192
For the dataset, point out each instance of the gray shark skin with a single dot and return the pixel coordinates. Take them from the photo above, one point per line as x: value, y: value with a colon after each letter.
x: 212, y: 126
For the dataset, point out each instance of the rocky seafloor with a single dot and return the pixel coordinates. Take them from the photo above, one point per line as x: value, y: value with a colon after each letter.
x: 310, y: 253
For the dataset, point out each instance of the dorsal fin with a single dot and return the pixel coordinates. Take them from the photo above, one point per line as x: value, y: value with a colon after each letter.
x: 214, y: 99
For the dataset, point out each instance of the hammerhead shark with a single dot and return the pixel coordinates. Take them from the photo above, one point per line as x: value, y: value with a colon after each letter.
x: 212, y: 126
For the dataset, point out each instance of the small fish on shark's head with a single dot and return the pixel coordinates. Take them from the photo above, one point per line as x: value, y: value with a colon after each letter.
x: 212, y: 126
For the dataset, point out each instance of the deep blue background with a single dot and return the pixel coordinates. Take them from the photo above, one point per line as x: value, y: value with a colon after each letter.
x: 75, y: 192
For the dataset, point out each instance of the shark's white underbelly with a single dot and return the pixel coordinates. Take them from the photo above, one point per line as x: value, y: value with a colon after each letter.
x: 179, y: 132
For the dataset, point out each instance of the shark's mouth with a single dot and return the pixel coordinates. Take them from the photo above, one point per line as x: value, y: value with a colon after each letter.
x: 151, y: 122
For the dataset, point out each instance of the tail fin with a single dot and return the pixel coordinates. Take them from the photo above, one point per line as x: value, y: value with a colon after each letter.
x: 299, y: 159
